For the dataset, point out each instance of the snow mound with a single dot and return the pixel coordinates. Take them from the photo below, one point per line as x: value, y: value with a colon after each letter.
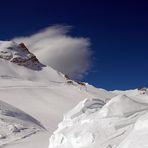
x: 138, y: 138
x: 121, y: 105
x: 87, y: 106
x: 95, y: 123
x: 15, y: 124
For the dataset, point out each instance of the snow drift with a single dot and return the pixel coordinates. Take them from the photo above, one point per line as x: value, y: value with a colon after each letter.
x: 15, y: 124
x: 95, y: 123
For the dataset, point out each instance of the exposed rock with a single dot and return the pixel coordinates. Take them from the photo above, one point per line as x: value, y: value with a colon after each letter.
x: 81, y: 83
x: 142, y: 90
x: 70, y: 82
x: 19, y: 54
x: 67, y: 77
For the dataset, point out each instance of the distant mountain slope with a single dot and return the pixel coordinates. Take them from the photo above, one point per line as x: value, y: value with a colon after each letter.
x: 17, y: 61
x: 19, y: 54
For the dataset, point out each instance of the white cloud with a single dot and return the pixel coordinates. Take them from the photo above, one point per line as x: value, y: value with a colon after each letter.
x: 54, y: 47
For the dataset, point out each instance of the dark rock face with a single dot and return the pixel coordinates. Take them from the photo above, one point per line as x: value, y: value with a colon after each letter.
x: 81, y: 83
x: 22, y: 45
x: 142, y: 90
x: 20, y: 55
x: 31, y: 63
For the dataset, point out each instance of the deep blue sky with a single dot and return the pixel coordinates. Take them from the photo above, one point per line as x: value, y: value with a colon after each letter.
x: 118, y: 31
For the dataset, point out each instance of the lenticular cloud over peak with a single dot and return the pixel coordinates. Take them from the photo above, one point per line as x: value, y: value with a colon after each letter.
x: 55, y: 47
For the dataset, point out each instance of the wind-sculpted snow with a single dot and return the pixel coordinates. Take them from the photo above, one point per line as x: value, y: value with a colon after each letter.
x: 15, y: 124
x: 98, y: 124
x: 138, y: 138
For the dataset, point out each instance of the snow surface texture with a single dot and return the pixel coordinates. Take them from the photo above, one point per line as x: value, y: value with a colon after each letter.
x: 15, y: 124
x: 121, y: 122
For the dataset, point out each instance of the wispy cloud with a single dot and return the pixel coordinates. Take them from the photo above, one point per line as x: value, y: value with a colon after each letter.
x: 55, y: 47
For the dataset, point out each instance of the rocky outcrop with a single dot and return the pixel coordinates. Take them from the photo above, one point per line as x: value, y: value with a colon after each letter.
x: 143, y: 90
x: 19, y: 54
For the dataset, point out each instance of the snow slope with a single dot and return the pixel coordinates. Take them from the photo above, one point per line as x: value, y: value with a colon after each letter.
x: 138, y: 138
x: 42, y: 93
x: 17, y: 62
x: 15, y: 124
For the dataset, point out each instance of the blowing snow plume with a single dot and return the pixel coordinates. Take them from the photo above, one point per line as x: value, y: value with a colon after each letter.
x: 54, y: 47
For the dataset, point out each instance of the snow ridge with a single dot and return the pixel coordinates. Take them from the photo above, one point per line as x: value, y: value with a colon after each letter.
x: 95, y: 123
x: 15, y: 124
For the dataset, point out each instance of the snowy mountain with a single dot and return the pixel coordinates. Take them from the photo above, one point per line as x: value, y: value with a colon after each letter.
x: 17, y: 62
x: 19, y: 54
x: 38, y: 91
x: 34, y: 97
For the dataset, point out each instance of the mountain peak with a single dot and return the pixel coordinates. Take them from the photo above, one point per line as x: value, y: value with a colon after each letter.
x: 19, y: 54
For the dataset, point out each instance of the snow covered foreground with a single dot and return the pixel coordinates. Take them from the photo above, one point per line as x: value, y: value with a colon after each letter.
x: 34, y: 97
x: 15, y: 124
x: 121, y: 122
